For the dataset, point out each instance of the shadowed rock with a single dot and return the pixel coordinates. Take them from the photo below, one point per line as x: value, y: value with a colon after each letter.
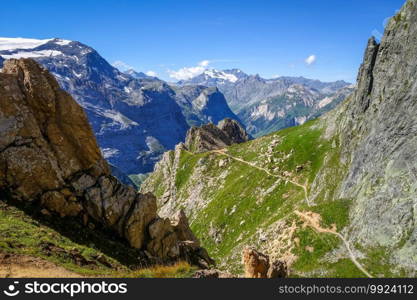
x: 49, y: 157
x: 211, y: 137
x: 257, y: 265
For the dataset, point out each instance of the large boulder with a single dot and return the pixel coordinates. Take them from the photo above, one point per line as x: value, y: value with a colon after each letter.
x: 163, y: 240
x: 181, y: 227
x: 257, y: 265
x: 277, y: 269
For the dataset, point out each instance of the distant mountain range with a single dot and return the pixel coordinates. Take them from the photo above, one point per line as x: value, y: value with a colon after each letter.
x: 135, y: 117
x: 266, y: 105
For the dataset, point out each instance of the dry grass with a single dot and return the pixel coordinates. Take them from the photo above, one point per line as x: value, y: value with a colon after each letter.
x: 178, y: 270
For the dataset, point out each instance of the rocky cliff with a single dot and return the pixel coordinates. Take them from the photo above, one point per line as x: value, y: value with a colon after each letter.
x: 378, y: 133
x: 333, y: 197
x: 49, y: 158
x: 211, y: 137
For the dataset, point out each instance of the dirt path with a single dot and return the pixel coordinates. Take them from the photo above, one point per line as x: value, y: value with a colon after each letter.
x: 24, y: 266
x: 313, y: 220
x: 303, y: 186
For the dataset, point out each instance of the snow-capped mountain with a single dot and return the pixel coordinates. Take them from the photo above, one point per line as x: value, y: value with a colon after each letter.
x: 265, y: 105
x: 135, y: 119
x: 138, y: 75
x: 213, y: 77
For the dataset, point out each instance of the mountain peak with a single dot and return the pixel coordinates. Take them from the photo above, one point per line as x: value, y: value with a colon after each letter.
x: 11, y: 44
x: 20, y: 43
x: 221, y: 75
x: 138, y: 75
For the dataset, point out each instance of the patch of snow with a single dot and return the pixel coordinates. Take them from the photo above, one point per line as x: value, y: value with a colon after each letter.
x: 116, y: 119
x: 76, y: 74
x: 109, y: 152
x: 300, y: 120
x: 62, y: 42
x: 84, y: 51
x: 120, y: 119
x: 23, y: 54
x: 20, y: 43
x: 291, y: 89
x: 281, y: 113
x: 122, y: 77
x: 221, y: 75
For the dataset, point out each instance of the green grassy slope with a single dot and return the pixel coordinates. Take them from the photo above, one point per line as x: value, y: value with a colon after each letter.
x: 233, y: 204
x: 69, y: 245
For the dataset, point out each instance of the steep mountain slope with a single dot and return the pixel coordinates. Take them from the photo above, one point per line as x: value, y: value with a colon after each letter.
x: 266, y: 105
x: 379, y: 141
x: 135, y: 118
x: 294, y: 106
x: 333, y: 197
x: 50, y: 163
x: 201, y: 105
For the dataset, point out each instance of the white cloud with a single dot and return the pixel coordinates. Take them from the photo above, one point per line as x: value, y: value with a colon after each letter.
x: 121, y: 65
x: 204, y: 63
x: 189, y: 72
x: 151, y: 73
x: 311, y: 59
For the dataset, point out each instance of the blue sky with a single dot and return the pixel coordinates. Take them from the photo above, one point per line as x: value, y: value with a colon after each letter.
x: 179, y: 38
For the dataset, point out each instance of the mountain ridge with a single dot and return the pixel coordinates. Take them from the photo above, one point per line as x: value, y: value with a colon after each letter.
x: 266, y: 105
x: 135, y: 119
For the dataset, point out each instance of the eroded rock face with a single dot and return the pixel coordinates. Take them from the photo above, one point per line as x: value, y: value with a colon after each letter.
x: 379, y: 139
x: 49, y: 157
x: 211, y: 137
x: 182, y: 228
x: 257, y: 265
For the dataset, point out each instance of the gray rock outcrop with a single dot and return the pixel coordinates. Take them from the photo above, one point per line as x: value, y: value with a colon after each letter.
x: 378, y: 130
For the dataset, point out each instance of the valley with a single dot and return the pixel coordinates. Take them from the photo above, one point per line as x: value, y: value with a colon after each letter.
x: 117, y: 173
x: 149, y: 116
